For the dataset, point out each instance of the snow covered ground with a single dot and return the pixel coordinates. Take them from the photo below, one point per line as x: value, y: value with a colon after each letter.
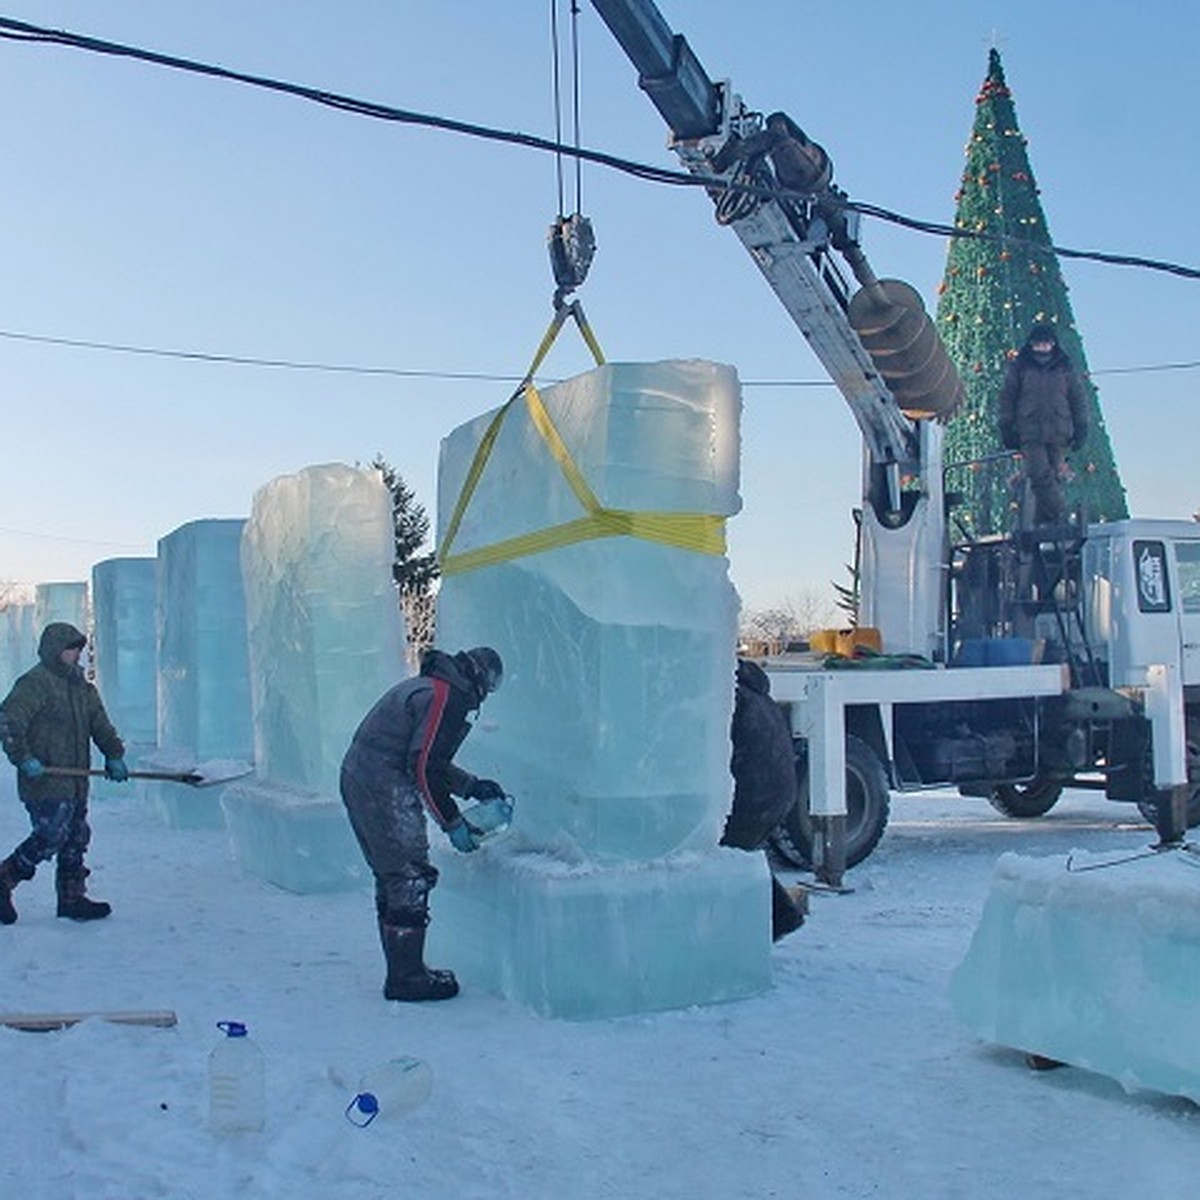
x: 850, y: 1078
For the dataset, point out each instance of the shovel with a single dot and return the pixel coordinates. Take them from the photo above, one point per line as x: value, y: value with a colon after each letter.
x: 192, y: 778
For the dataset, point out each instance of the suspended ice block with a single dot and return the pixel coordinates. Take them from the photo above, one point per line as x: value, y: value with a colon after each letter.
x: 590, y: 553
x: 618, y: 650
x: 203, y: 666
x: 326, y: 641
x: 1092, y: 961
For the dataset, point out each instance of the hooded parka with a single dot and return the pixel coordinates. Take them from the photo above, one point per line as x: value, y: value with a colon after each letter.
x: 52, y: 714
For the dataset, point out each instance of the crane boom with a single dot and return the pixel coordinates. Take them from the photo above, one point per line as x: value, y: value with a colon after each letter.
x: 791, y: 238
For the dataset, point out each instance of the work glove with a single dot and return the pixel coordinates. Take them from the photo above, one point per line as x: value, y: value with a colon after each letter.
x: 32, y: 768
x: 116, y: 770
x: 462, y: 837
x: 485, y: 789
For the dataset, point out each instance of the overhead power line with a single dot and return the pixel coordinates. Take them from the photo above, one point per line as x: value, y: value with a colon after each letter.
x: 24, y: 32
x: 291, y: 364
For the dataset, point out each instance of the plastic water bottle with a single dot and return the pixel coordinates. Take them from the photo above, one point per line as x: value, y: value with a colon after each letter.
x: 236, y: 1082
x: 490, y: 817
x: 390, y: 1090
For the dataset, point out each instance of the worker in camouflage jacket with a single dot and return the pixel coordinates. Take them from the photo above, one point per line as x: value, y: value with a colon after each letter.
x: 398, y: 767
x: 49, y: 719
x: 1043, y: 413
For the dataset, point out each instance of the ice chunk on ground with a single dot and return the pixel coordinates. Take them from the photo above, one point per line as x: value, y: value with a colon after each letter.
x: 1092, y: 961
x: 203, y: 666
x: 590, y: 553
x: 326, y: 641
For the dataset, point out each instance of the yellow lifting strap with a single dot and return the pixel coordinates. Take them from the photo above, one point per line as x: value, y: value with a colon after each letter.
x: 700, y: 532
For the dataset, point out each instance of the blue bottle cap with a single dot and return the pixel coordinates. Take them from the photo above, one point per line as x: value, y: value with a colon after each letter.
x: 365, y: 1104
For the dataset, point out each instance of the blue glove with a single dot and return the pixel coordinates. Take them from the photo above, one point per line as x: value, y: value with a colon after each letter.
x: 462, y: 837
x: 116, y: 770
x: 485, y: 789
x: 32, y: 768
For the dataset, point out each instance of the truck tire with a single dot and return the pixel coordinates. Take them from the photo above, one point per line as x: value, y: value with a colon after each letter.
x: 1147, y: 808
x: 1033, y: 799
x: 867, y: 800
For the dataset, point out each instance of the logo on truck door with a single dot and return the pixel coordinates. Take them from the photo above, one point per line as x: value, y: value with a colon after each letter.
x: 1150, y: 565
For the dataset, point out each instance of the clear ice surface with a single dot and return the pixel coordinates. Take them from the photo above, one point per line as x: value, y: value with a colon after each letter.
x: 1092, y: 961
x: 326, y: 641
x: 125, y: 646
x: 203, y: 666
x: 611, y: 728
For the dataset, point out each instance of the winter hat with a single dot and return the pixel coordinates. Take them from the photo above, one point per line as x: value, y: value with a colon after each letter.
x: 1042, y: 333
x: 484, y: 664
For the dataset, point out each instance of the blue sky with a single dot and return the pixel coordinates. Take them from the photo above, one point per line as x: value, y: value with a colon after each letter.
x: 145, y: 207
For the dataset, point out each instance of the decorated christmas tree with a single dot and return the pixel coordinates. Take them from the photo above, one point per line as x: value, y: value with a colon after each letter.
x: 995, y: 288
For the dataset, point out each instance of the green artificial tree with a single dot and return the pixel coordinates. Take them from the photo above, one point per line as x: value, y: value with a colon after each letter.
x: 995, y: 288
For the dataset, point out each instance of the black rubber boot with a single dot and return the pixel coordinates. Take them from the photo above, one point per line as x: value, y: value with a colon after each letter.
x: 73, y: 901
x: 10, y: 876
x: 408, y: 978
x: 787, y: 909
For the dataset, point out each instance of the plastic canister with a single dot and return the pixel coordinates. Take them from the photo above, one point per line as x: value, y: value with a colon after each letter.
x: 490, y: 817
x: 390, y: 1090
x: 236, y: 1082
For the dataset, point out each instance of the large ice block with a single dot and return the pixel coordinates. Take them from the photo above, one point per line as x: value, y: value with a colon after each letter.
x: 326, y: 633
x: 60, y: 602
x: 326, y: 641
x: 18, y: 644
x: 203, y: 666
x: 1092, y: 961
x: 126, y: 650
x: 590, y: 553
x: 619, y: 651
x: 586, y: 940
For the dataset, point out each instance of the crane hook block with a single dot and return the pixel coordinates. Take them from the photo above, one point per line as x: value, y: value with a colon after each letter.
x: 895, y: 330
x: 572, y: 247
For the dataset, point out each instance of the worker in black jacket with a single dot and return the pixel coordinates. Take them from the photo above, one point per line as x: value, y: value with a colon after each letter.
x: 1043, y: 413
x: 763, y: 766
x: 398, y: 767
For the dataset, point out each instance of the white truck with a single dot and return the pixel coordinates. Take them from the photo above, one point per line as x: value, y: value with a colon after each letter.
x: 1051, y: 657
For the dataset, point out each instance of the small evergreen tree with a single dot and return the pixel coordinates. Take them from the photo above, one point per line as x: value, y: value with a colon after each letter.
x: 994, y: 290
x: 411, y: 570
x: 415, y: 573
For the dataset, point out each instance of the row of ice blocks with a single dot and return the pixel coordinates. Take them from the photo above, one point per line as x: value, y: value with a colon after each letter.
x: 1092, y: 961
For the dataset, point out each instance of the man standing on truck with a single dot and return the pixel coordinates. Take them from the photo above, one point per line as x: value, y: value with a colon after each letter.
x: 1043, y: 413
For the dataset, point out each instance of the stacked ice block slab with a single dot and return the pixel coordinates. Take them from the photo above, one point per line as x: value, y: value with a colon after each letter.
x: 1092, y: 961
x: 598, y: 572
x: 203, y: 670
x: 126, y: 657
x: 326, y: 640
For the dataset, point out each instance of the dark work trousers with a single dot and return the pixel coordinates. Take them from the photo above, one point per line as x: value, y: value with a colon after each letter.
x: 59, y: 829
x: 388, y: 820
x: 1043, y: 468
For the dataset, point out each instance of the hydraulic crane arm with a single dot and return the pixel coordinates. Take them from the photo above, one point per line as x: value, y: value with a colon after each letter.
x: 878, y: 344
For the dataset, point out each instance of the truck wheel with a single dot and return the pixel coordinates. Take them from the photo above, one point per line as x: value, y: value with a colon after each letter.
x: 1033, y: 799
x: 867, y: 802
x: 1147, y: 808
